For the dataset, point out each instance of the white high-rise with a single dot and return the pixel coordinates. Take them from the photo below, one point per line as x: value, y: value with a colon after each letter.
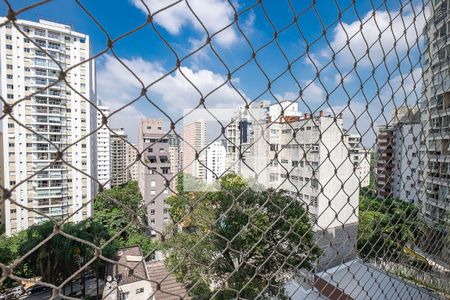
x: 215, y: 161
x: 59, y: 116
x: 103, y: 149
x: 360, y: 157
x: 434, y: 156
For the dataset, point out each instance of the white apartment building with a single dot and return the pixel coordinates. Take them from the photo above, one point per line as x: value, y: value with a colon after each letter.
x: 434, y: 196
x: 215, y: 161
x: 194, y: 141
x: 57, y: 114
x: 103, y: 148
x: 405, y: 166
x: 118, y: 157
x: 360, y: 157
x: 314, y: 166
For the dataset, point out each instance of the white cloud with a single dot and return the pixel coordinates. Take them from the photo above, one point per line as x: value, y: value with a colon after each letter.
x: 363, y: 35
x: 313, y: 92
x: 345, y: 78
x: 214, y: 14
x: 118, y: 87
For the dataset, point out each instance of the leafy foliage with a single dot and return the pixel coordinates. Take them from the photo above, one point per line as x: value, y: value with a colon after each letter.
x: 386, y: 227
x: 238, y: 240
x: 60, y: 257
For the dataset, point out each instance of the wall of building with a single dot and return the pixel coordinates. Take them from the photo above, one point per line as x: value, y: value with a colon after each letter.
x: 103, y: 149
x: 58, y: 114
x: 155, y: 174
x: 118, y: 157
x: 215, y: 161
x: 406, y: 162
x: 194, y: 141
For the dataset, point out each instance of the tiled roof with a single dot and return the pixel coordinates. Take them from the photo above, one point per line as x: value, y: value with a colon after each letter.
x: 170, y: 289
x: 131, y: 257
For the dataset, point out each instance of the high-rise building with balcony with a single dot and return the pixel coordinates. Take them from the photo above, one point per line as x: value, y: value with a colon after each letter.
x: 103, y: 148
x: 155, y: 175
x: 194, y: 142
x: 119, y: 157
x: 434, y: 197
x: 384, y: 159
x: 57, y: 115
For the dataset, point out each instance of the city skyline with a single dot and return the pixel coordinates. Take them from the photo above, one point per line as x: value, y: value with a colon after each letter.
x: 116, y: 85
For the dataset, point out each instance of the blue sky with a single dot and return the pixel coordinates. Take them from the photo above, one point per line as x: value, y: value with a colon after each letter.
x: 150, y: 58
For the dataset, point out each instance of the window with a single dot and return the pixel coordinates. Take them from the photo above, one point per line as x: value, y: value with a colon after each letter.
x: 139, y: 291
x: 165, y: 210
x: 9, y: 76
x: 9, y: 37
x: 314, y: 183
x: 152, y: 183
x: 9, y: 67
x: 313, y: 201
x: 152, y: 221
x: 152, y: 212
x: 273, y: 177
x: 9, y: 47
x: 152, y: 192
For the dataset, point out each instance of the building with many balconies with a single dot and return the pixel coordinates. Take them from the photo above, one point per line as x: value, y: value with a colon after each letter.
x: 58, y: 116
x: 434, y: 196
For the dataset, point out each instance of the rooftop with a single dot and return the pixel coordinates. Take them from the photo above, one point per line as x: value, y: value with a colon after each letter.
x: 169, y: 289
x: 128, y: 258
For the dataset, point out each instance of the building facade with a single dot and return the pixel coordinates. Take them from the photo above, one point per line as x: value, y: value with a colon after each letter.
x: 132, y: 171
x: 305, y: 166
x: 118, y: 157
x: 384, y: 161
x: 398, y: 166
x: 103, y: 148
x: 360, y: 157
x: 194, y: 142
x: 58, y: 115
x: 155, y: 175
x: 215, y: 161
x: 434, y: 198
x: 405, y: 166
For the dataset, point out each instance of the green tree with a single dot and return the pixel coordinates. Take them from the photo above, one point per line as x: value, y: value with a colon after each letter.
x: 386, y: 226
x: 238, y: 242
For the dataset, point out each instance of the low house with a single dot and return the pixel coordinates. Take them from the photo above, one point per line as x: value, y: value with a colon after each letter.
x: 128, y: 277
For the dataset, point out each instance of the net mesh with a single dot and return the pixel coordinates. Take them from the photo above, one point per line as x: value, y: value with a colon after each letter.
x: 229, y: 192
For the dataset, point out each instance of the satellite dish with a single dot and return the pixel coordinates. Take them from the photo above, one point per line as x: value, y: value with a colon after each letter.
x: 109, y: 278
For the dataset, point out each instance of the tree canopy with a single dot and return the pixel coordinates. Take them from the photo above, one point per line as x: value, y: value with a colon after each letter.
x: 238, y: 242
x: 60, y: 257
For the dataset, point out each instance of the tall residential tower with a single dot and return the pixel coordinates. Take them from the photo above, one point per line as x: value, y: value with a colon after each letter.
x: 57, y: 114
